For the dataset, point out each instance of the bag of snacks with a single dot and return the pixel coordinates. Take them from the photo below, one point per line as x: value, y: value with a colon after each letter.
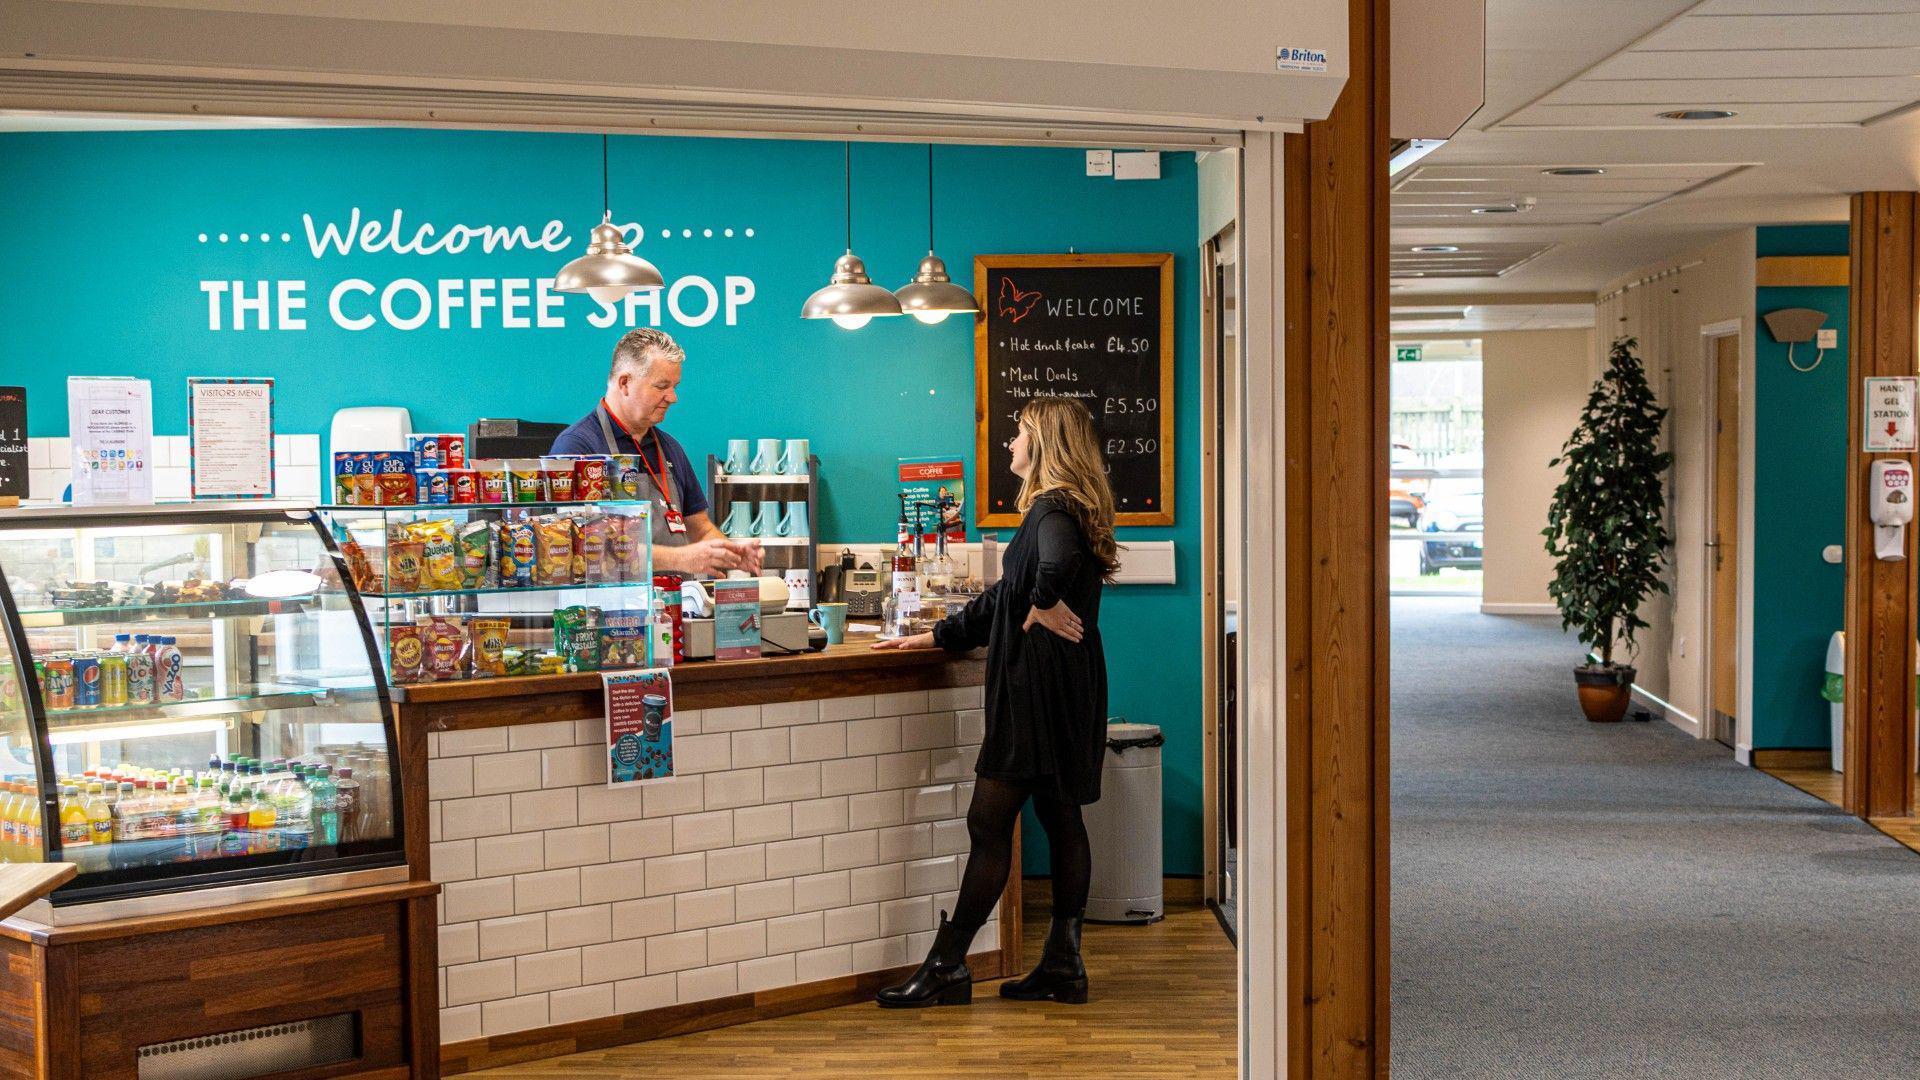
x: 592, y: 553
x: 555, y: 548
x: 517, y: 551
x: 358, y: 566
x: 405, y: 652
x: 622, y: 640
x: 446, y: 649
x: 440, y: 565
x: 576, y: 637
x: 489, y: 638
x: 404, y: 565
x: 476, y: 555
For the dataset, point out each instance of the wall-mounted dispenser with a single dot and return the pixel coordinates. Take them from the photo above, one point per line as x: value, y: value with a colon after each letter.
x: 1892, y: 507
x: 1791, y: 326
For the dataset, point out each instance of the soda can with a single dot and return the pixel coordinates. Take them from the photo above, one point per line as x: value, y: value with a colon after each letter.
x: 590, y: 483
x: 453, y: 451
x: 113, y: 680
x: 86, y: 680
x: 463, y: 486
x: 58, y: 688
x: 426, y: 451
x: 140, y: 686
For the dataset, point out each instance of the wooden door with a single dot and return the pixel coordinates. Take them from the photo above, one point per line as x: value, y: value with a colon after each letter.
x: 1724, y: 538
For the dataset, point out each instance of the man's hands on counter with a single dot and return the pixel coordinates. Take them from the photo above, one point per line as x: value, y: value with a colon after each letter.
x: 712, y: 557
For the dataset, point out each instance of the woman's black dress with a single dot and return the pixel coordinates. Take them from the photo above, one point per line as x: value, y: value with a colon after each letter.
x: 1046, y: 697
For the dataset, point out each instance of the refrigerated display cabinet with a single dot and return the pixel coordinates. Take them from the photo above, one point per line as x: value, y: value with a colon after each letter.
x: 251, y: 740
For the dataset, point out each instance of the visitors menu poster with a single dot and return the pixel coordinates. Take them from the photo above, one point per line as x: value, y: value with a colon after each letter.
x: 110, y: 421
x: 230, y: 438
x: 639, y: 726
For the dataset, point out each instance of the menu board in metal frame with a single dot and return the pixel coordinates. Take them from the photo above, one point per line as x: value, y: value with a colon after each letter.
x: 1094, y: 327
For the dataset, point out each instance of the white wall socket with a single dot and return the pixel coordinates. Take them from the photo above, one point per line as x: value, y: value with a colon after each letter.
x: 1099, y: 163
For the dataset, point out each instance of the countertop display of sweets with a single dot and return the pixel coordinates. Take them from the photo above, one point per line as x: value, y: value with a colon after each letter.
x: 194, y: 714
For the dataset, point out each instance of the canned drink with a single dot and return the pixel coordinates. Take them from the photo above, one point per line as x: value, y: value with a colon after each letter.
x: 453, y: 451
x: 57, y: 689
x: 463, y: 486
x: 426, y: 450
x: 590, y: 479
x: 140, y: 686
x: 113, y: 680
x: 86, y: 680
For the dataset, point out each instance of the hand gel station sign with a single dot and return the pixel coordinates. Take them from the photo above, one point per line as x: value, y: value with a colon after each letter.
x: 1888, y: 415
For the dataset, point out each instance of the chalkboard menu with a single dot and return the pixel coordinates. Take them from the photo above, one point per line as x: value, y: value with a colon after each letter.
x: 13, y: 442
x: 1094, y: 327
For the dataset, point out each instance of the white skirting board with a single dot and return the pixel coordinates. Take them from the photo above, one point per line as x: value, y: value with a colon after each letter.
x: 1519, y: 609
x: 1142, y: 562
x: 1677, y: 717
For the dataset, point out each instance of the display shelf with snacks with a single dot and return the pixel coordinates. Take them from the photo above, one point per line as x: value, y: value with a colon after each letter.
x: 189, y: 695
x: 478, y: 591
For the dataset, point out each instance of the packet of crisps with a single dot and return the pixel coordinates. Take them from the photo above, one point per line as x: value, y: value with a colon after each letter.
x: 476, y: 555
x: 440, y: 568
x: 404, y: 565
x: 576, y: 637
x: 405, y: 652
x: 489, y: 638
x: 358, y: 566
x: 593, y: 555
x: 446, y: 649
x: 555, y: 545
x: 517, y: 551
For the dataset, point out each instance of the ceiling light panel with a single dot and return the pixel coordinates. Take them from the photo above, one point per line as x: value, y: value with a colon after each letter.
x: 1474, y: 259
x: 1771, y: 62
x: 1432, y: 195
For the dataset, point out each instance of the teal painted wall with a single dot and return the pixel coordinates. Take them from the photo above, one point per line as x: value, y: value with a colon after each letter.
x: 1800, y: 502
x: 894, y: 389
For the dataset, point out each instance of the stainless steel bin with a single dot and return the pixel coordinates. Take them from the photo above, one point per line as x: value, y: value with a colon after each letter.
x: 1123, y: 828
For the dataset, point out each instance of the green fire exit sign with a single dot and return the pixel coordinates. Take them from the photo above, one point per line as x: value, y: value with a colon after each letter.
x: 1406, y: 354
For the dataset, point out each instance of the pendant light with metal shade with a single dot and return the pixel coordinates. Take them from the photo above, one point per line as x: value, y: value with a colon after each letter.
x: 932, y: 296
x: 851, y: 298
x: 609, y: 270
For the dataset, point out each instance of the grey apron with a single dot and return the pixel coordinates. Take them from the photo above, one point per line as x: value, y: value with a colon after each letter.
x: 662, y: 536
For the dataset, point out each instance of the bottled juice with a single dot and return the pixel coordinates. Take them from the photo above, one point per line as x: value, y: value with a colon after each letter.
x: 261, y: 820
x: 234, y: 812
x: 30, y: 829
x: 10, y: 822
x: 347, y: 805
x: 99, y: 815
x: 75, y: 829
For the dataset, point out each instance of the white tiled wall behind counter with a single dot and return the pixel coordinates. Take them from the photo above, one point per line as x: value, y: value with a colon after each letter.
x: 798, y: 842
x: 296, y: 467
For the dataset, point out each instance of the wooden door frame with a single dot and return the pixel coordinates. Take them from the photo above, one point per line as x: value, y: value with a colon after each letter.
x: 1702, y: 725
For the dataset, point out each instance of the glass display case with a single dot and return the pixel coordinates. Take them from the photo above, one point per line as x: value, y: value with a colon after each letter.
x: 190, y: 695
x: 495, y: 590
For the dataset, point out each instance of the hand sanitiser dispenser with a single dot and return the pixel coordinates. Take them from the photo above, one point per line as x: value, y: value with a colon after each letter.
x: 1892, y: 509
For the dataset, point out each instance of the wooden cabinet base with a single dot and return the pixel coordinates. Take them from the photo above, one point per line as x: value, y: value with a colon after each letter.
x: 340, y: 971
x: 561, y: 1039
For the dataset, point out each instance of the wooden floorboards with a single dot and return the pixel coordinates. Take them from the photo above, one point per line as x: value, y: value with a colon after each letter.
x: 1163, y: 1007
x: 1826, y: 784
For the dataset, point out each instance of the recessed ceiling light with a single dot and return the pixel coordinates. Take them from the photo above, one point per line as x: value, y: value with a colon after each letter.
x: 1435, y: 249
x: 1574, y: 170
x: 1411, y: 273
x: 1698, y: 114
x: 1509, y: 209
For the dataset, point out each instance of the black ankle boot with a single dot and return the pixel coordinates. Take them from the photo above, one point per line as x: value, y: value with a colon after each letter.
x: 1060, y: 974
x: 943, y: 978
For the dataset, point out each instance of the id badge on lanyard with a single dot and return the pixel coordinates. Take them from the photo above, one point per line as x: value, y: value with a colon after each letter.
x: 675, y: 522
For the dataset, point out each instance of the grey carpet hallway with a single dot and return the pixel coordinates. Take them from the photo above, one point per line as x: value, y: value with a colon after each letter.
x: 1580, y: 900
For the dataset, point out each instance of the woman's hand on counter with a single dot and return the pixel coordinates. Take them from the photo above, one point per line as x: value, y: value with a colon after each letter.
x: 911, y: 641
x: 1059, y: 618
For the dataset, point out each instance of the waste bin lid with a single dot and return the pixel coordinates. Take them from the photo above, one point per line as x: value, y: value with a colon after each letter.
x: 1132, y: 731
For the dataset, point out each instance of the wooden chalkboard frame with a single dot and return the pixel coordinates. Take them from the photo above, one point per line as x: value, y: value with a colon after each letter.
x: 983, y: 482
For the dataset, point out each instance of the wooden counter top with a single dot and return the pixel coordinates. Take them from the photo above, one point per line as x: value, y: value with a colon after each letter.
x: 838, y: 671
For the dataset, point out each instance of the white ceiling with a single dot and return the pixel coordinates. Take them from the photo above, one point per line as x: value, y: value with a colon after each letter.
x: 1445, y: 319
x: 1822, y: 91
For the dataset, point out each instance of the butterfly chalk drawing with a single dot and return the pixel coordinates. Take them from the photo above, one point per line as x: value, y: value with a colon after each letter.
x: 1013, y: 303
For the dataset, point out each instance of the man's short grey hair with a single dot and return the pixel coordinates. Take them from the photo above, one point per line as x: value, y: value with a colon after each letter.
x: 640, y: 349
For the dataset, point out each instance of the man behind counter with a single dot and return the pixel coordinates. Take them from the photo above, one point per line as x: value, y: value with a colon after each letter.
x: 640, y: 390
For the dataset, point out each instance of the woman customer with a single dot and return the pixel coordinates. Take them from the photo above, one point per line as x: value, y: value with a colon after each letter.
x: 1046, y: 704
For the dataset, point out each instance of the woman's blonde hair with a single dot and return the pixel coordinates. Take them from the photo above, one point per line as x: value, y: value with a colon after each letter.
x: 1066, y: 459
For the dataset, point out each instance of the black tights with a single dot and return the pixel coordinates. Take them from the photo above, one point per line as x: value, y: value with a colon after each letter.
x: 990, y: 820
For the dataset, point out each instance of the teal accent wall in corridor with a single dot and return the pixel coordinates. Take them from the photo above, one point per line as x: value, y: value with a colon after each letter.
x: 1800, y: 500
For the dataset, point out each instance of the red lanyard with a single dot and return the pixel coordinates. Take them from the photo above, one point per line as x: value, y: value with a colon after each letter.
x: 659, y: 477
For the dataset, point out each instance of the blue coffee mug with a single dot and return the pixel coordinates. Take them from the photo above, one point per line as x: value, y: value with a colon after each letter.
x: 794, y: 522
x: 738, y: 457
x: 833, y: 619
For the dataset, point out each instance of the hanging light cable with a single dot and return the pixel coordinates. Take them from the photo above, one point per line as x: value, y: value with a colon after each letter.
x: 609, y: 270
x: 850, y: 298
x: 932, y: 296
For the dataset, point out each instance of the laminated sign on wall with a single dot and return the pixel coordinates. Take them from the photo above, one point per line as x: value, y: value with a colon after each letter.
x: 639, y: 725
x: 1888, y: 415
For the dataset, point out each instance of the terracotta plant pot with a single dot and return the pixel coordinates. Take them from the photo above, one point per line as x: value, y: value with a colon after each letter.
x: 1605, y: 692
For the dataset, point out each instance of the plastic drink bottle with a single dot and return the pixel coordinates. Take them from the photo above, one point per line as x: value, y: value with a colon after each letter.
x: 169, y: 675
x: 326, y: 806
x: 347, y: 805
x: 75, y: 829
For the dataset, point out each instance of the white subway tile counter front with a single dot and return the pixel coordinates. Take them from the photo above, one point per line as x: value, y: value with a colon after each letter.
x: 814, y: 829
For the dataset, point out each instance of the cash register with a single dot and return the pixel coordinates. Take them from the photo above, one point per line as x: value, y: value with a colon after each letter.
x: 782, y: 632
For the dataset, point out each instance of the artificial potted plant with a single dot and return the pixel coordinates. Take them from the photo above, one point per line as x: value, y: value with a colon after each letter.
x: 1606, y: 527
